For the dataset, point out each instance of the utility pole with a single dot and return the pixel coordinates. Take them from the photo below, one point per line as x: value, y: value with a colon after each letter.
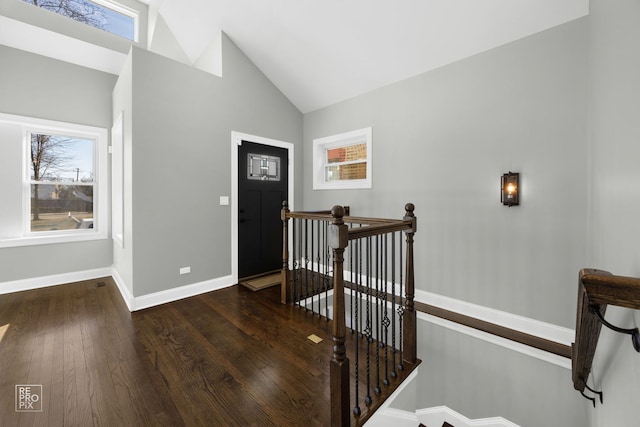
x: 77, y: 174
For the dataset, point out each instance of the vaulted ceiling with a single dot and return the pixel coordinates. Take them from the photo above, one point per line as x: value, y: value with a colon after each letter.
x: 319, y: 52
x: 322, y: 52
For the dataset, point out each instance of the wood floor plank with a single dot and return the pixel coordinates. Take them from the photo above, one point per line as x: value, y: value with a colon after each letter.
x: 231, y: 357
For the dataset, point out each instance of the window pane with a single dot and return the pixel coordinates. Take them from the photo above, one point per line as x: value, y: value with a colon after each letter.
x: 63, y: 199
x: 346, y: 172
x: 93, y: 14
x: 61, y: 207
x: 61, y: 158
x: 263, y: 167
x: 347, y: 154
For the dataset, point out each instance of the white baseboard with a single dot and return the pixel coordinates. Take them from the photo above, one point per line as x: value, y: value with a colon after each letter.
x: 436, y: 416
x: 126, y: 294
x: 516, y: 322
x: 386, y: 416
x: 527, y: 325
x: 174, y: 294
x: 494, y: 339
x: 133, y: 303
x: 53, y: 280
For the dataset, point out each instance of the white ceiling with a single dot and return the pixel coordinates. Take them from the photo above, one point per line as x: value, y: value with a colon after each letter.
x: 319, y: 52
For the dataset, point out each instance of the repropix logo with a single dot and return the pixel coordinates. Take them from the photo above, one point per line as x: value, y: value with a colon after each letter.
x: 28, y: 398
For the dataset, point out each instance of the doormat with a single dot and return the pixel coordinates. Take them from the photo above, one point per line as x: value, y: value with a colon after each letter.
x: 263, y: 282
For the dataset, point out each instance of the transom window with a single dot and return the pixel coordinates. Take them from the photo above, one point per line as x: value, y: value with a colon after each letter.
x: 54, y: 181
x: 104, y: 14
x: 343, y: 161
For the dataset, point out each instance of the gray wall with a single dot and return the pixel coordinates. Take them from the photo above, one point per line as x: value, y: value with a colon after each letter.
x: 482, y: 380
x: 442, y: 140
x: 615, y: 189
x: 35, y: 86
x: 181, y: 153
x: 122, y: 104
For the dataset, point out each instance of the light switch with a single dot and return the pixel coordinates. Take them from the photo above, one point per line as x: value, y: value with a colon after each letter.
x: 224, y: 200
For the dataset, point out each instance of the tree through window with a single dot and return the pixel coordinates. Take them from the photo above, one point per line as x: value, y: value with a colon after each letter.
x: 103, y: 14
x: 61, y: 182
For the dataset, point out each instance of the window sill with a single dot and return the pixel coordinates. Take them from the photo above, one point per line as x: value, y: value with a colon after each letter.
x: 79, y: 236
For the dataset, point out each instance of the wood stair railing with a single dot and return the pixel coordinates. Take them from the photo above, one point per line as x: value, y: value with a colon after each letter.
x: 596, y: 290
x: 339, y: 233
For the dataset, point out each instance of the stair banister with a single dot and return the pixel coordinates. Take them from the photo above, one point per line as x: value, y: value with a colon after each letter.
x: 596, y: 290
x: 339, y: 365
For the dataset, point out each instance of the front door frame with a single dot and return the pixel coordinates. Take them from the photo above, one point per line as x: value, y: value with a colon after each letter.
x: 236, y: 140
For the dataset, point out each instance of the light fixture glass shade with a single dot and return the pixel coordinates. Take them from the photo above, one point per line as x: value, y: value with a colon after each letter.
x: 510, y: 189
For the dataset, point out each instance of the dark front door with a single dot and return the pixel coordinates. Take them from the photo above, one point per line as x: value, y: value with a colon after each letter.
x: 262, y: 187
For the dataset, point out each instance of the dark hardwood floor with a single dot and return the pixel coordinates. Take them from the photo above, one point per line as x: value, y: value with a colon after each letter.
x: 230, y: 357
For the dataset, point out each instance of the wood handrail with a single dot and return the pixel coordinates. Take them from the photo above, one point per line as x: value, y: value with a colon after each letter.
x: 596, y: 290
x: 382, y: 228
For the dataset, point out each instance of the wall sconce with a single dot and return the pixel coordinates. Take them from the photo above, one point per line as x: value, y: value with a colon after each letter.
x: 510, y: 189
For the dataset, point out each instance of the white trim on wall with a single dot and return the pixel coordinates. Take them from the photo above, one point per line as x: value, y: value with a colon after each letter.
x: 53, y: 280
x: 494, y: 339
x: 175, y: 294
x: 438, y: 415
x: 236, y: 140
x: 527, y: 325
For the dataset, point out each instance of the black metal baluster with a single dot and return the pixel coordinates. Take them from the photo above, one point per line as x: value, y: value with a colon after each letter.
x: 306, y: 262
x: 394, y: 374
x: 352, y: 284
x: 300, y: 249
x: 326, y: 270
x: 318, y: 267
x: 295, y: 261
x: 378, y: 307
x: 358, y: 247
x: 313, y: 268
x: 385, y: 317
x: 368, y: 332
x: 401, y: 305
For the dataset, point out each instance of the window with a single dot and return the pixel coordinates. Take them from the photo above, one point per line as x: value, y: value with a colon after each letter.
x: 52, y: 174
x: 104, y: 14
x: 342, y: 161
x: 262, y: 167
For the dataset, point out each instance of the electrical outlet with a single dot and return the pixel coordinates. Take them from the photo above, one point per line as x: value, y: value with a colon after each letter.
x: 185, y: 270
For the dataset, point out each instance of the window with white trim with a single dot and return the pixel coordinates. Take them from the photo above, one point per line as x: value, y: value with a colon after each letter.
x: 107, y: 15
x: 53, y: 173
x: 343, y: 161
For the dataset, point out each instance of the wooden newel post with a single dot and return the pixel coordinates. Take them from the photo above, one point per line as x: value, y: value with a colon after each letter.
x: 410, y: 344
x: 339, y: 365
x: 285, y: 286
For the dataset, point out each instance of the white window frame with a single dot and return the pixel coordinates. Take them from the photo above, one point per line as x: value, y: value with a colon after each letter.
x: 117, y: 181
x: 320, y: 147
x: 123, y: 10
x: 30, y: 125
x: 114, y: 6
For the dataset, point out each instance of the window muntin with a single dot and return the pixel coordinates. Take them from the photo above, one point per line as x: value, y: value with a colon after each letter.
x: 262, y: 167
x: 74, y: 188
x: 103, y: 14
x: 346, y: 163
x: 343, y: 161
x: 61, y: 182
